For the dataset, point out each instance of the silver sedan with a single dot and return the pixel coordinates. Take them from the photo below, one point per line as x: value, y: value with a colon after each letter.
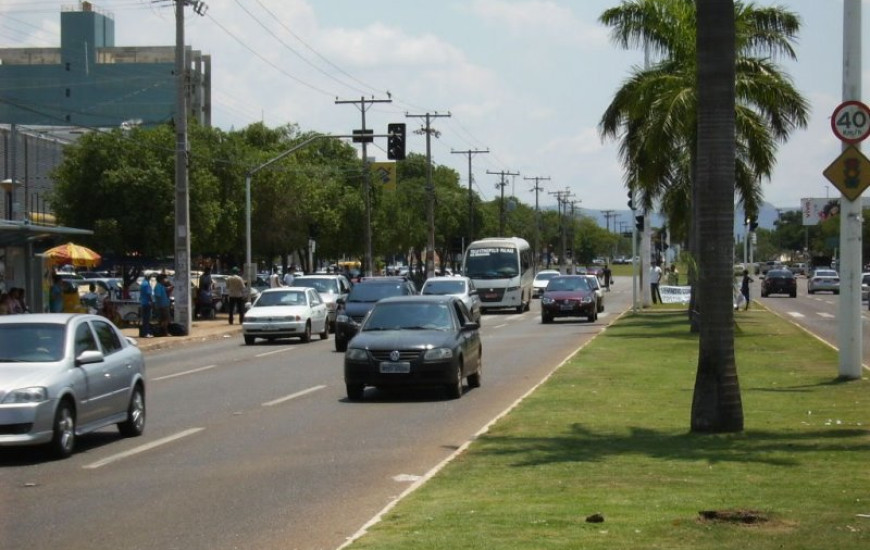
x: 63, y: 375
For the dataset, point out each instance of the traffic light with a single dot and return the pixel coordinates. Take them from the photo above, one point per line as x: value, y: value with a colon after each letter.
x: 396, y: 141
x: 631, y: 199
x: 753, y: 224
x: 638, y: 222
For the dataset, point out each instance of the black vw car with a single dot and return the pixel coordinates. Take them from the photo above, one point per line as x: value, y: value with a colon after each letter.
x: 779, y: 281
x: 415, y: 341
x: 362, y: 297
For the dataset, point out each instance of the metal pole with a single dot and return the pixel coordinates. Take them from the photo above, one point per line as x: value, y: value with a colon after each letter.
x: 182, y: 198
x: 849, y: 313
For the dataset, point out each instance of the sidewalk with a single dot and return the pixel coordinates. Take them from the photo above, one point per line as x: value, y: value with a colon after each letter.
x: 201, y: 330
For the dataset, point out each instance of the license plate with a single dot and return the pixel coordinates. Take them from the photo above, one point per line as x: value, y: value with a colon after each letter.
x: 566, y: 307
x: 490, y: 296
x: 402, y: 367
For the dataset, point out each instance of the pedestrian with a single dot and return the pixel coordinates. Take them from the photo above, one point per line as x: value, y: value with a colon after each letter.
x: 16, y: 295
x: 274, y: 279
x: 146, y: 305
x: 205, y: 306
x: 55, y: 298
x: 236, y: 290
x: 607, y: 277
x: 162, y: 303
x: 673, y: 276
x: 91, y: 299
x: 744, y: 287
x: 655, y: 277
x: 288, y: 277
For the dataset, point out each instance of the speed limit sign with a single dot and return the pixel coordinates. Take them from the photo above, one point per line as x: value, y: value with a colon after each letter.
x: 851, y: 121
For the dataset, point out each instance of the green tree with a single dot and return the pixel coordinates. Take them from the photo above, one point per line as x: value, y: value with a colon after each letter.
x: 654, y: 112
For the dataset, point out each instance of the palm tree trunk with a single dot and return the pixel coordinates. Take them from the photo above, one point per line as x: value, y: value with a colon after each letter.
x: 716, y: 406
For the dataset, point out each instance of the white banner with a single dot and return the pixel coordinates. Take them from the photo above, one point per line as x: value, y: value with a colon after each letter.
x: 675, y: 294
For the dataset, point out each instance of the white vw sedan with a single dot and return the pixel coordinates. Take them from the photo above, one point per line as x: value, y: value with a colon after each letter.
x: 286, y: 312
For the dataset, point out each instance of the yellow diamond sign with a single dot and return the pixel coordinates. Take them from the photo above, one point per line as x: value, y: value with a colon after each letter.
x: 850, y: 173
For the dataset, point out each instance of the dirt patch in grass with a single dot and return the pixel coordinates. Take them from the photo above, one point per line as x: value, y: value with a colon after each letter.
x: 738, y: 516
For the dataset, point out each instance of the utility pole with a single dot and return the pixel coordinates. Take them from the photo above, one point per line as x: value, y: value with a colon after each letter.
x: 182, y: 191
x: 607, y: 215
x: 501, y: 185
x: 561, y: 200
x: 430, y: 188
x: 537, y: 189
x: 363, y: 105
x: 574, y: 232
x: 470, y: 152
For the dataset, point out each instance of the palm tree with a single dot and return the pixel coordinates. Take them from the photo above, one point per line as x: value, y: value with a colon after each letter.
x: 654, y: 111
x: 716, y: 405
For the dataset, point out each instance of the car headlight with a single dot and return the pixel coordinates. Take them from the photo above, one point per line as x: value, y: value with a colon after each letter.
x: 356, y: 354
x: 546, y: 300
x: 36, y: 394
x: 587, y: 299
x: 438, y: 354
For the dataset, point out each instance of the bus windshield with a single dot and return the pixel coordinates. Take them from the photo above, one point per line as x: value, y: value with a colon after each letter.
x: 492, y: 263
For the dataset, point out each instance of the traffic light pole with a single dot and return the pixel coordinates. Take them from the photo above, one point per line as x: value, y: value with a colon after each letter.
x: 364, y: 105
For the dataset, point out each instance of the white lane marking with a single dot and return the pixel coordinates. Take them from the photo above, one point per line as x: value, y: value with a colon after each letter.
x: 282, y: 350
x: 796, y: 315
x: 501, y: 325
x: 293, y: 396
x: 185, y: 373
x: 141, y: 448
x: 825, y: 315
x: 406, y: 478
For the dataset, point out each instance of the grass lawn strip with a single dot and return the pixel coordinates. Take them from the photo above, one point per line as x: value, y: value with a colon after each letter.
x: 608, y: 434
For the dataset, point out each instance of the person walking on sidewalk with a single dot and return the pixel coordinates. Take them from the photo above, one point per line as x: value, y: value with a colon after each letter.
x: 162, y: 303
x: 146, y: 304
x: 236, y: 290
x: 744, y: 287
x: 655, y: 277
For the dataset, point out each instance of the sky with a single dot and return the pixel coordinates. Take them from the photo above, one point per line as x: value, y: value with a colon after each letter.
x: 526, y: 80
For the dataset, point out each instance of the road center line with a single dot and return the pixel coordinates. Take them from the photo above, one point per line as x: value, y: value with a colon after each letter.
x: 282, y: 350
x: 185, y: 373
x: 293, y: 396
x: 824, y: 315
x: 796, y: 315
x: 141, y: 448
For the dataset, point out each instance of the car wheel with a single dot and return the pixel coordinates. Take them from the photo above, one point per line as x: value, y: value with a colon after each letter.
x: 325, y: 334
x: 593, y: 316
x: 454, y: 389
x: 135, y: 423
x: 340, y: 344
x: 810, y: 291
x: 306, y: 336
x: 546, y: 319
x: 474, y: 379
x: 521, y: 308
x: 793, y: 294
x: 249, y: 340
x: 64, y: 439
x: 355, y: 392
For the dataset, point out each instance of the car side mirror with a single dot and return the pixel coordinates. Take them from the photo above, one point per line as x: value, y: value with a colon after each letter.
x: 90, y: 356
x: 471, y: 325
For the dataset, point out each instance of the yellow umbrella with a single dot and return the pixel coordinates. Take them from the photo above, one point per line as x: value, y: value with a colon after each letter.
x: 75, y: 254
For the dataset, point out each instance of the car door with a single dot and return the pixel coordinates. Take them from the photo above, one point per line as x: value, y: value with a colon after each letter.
x: 318, y: 311
x: 119, y: 366
x: 94, y: 401
x: 469, y: 340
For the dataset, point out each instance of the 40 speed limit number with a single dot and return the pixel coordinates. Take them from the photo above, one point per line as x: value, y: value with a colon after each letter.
x: 851, y: 121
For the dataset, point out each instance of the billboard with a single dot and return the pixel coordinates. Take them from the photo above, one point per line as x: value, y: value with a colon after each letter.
x: 818, y: 210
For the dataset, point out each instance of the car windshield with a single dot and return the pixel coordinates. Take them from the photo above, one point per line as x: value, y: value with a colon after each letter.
x: 492, y: 263
x: 373, y: 292
x: 323, y: 286
x: 567, y: 284
x: 444, y: 287
x: 409, y: 316
x: 31, y: 342
x: 825, y: 273
x: 780, y: 273
x: 282, y: 298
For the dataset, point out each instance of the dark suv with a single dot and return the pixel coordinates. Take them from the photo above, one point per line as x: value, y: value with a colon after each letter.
x: 779, y: 281
x: 361, y: 300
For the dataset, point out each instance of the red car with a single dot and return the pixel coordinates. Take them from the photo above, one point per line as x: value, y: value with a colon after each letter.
x: 569, y: 296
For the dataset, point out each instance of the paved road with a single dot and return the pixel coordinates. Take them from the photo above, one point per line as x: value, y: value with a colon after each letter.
x: 257, y: 447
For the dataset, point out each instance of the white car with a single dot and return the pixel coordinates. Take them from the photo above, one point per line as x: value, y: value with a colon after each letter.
x: 865, y: 286
x: 332, y: 288
x: 823, y: 280
x: 461, y: 287
x: 595, y: 285
x: 286, y: 312
x: 539, y: 284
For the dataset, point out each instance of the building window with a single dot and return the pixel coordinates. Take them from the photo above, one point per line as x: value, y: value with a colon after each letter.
x: 67, y: 92
x: 67, y: 66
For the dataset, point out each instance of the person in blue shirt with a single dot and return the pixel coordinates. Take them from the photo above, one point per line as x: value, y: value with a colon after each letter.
x: 161, y: 303
x: 55, y: 301
x: 146, y: 303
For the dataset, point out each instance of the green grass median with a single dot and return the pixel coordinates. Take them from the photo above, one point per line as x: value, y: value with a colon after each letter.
x: 600, y: 456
